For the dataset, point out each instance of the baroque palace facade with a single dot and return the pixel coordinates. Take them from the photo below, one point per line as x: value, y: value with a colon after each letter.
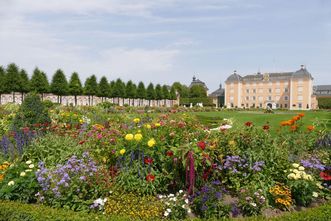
x: 286, y: 90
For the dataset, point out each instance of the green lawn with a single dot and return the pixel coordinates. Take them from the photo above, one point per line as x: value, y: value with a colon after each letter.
x: 260, y: 118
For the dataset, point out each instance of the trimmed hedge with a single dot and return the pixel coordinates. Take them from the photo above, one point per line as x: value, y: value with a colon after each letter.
x: 206, y: 101
x: 324, y: 102
x: 15, y: 211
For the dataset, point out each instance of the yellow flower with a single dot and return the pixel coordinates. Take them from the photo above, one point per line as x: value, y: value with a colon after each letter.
x: 129, y: 137
x: 148, y: 126
x: 81, y: 121
x: 138, y: 137
x: 11, y: 183
x: 136, y: 120
x: 122, y: 151
x: 157, y: 124
x: 22, y: 174
x: 151, y: 142
x: 295, y: 165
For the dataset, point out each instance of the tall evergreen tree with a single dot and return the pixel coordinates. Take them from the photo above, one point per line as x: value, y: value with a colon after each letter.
x: 141, y: 92
x: 75, y: 86
x: 39, y: 82
x: 158, y: 93
x: 130, y: 91
x: 2, y: 82
x: 119, y: 90
x: 59, y: 85
x: 112, y: 88
x: 24, y: 83
x: 166, y: 94
x: 91, y: 87
x: 12, y: 79
x: 104, y: 88
x: 150, y: 93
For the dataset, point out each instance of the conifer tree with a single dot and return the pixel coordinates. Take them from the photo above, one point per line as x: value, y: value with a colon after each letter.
x: 24, y: 83
x: 104, y: 88
x: 75, y: 86
x: 141, y: 92
x: 12, y: 79
x: 59, y: 85
x: 150, y: 93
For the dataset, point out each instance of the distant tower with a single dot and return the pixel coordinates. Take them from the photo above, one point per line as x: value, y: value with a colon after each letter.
x: 194, y: 78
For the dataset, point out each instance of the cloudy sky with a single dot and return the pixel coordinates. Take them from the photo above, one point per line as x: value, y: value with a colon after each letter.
x: 167, y: 40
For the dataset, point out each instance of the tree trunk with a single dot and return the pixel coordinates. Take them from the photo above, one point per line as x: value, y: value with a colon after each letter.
x: 0, y: 99
x: 13, y: 97
x: 75, y: 100
x: 22, y: 98
x: 92, y: 101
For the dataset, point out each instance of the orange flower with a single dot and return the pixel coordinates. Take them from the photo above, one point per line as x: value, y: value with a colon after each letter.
x: 301, y: 114
x: 294, y: 128
x: 291, y: 122
x: 310, y: 128
x: 295, y: 118
x: 283, y: 123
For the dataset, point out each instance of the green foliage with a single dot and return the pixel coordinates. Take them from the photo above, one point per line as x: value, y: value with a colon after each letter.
x: 137, y: 207
x: 130, y: 90
x: 15, y: 211
x: 150, y: 92
x: 173, y: 95
x: 198, y: 91
x: 91, y: 86
x: 32, y: 111
x: 2, y: 81
x: 324, y: 102
x: 141, y: 91
x: 59, y: 85
x: 158, y: 92
x: 75, y: 85
x: 205, y: 101
x: 104, y: 87
x: 53, y: 149
x: 39, y: 82
x: 24, y: 82
x: 119, y: 89
x: 19, y: 183
x: 12, y: 80
x: 165, y: 92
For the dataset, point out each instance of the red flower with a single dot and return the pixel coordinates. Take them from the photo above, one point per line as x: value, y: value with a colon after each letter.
x: 249, y: 124
x: 150, y: 178
x: 325, y: 176
x: 266, y: 127
x: 148, y: 160
x: 170, y: 153
x: 202, y: 145
x: 82, y: 141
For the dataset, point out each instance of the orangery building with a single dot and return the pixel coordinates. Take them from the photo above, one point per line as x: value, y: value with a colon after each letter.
x: 284, y: 90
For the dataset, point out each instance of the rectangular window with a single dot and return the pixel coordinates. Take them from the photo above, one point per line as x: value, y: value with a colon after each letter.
x: 269, y: 98
x: 253, y: 105
x: 254, y: 98
x: 286, y: 90
x: 270, y: 90
x: 261, y: 105
x: 246, y: 105
x: 277, y: 105
x: 286, y: 98
x: 254, y: 91
x: 281, y: 105
x: 300, y: 105
x: 285, y: 105
x: 247, y: 98
x: 300, y: 98
x: 300, y: 81
x: 247, y: 91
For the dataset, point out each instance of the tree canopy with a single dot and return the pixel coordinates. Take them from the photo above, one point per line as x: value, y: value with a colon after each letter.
x: 75, y: 85
x: 39, y: 82
x: 141, y: 90
x: 150, y: 92
x: 59, y: 85
x: 197, y: 91
x: 104, y: 87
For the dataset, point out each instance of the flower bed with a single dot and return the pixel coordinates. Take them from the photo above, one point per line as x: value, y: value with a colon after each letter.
x: 164, y: 165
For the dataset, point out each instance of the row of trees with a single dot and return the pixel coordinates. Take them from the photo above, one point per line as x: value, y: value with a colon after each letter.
x: 13, y: 79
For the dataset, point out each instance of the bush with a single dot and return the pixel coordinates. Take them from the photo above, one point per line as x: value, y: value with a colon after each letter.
x: 324, y: 103
x: 14, y: 211
x: 31, y: 112
x: 52, y: 149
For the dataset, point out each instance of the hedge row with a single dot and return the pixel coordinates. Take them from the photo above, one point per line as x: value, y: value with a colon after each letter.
x: 15, y: 211
x: 324, y: 102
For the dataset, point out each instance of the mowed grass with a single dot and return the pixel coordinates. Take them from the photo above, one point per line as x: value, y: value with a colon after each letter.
x: 212, y: 119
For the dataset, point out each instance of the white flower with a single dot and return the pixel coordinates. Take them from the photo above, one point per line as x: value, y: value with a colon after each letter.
x: 295, y: 165
x: 180, y: 191
x: 253, y: 204
x: 183, y: 206
x: 189, y: 210
x: 167, y: 203
x: 110, y: 192
x: 174, y: 199
x: 171, y: 195
x: 105, y: 200
x: 291, y: 176
x: 169, y: 210
x: 166, y: 214
x: 186, y: 201
x: 28, y: 162
x: 11, y: 183
x: 28, y: 170
x: 301, y: 168
x: 315, y: 194
x: 160, y: 196
x: 22, y: 174
x: 31, y: 166
x: 295, y: 171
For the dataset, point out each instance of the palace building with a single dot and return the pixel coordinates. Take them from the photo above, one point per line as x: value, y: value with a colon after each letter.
x: 285, y: 90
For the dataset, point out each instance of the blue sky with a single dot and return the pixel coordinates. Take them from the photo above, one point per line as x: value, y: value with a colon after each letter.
x: 163, y: 41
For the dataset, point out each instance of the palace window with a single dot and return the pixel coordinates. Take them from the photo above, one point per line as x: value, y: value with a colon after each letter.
x: 300, y: 105
x: 286, y: 90
x: 300, y: 98
x: 270, y: 90
x: 286, y: 98
x: 285, y: 105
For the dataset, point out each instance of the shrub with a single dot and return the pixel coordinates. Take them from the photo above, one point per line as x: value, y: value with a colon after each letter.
x: 52, y: 149
x: 31, y: 112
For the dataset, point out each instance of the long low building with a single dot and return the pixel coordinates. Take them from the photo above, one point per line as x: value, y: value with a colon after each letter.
x: 286, y: 90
